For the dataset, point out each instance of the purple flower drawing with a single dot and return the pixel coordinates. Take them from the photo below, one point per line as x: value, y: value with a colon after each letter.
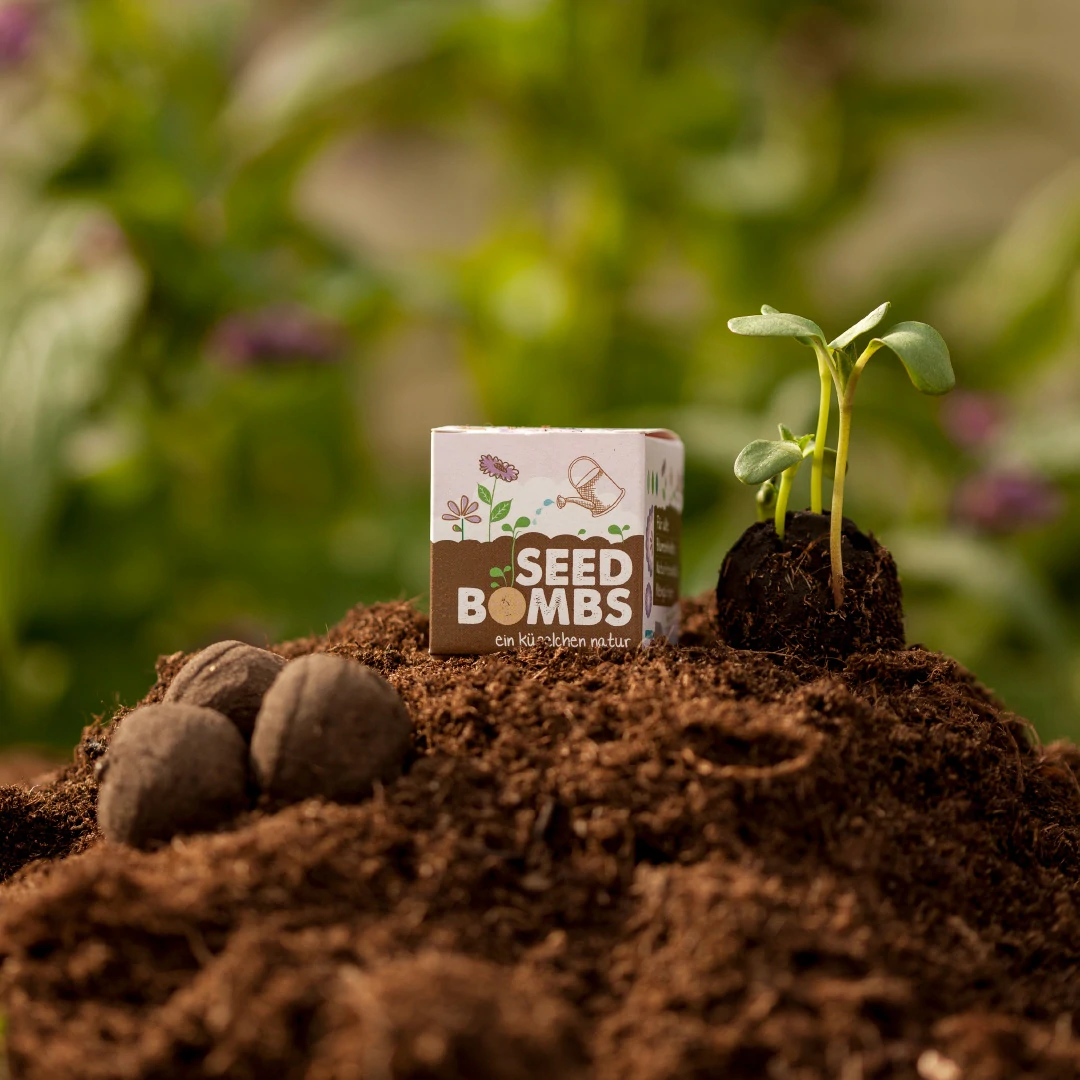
x: 498, y: 469
x: 501, y: 470
x: 465, y: 512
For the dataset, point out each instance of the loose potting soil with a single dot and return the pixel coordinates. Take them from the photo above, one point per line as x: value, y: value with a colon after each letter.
x: 681, y: 862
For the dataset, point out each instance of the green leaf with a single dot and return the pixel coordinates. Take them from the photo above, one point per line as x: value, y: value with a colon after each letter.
x: 521, y: 521
x: 777, y: 324
x: 485, y: 495
x: 501, y: 510
x: 768, y: 309
x: 494, y: 584
x: 786, y: 433
x: 506, y: 528
x: 867, y: 322
x: 923, y: 352
x: 805, y: 443
x: 507, y: 569
x: 581, y: 532
x: 457, y: 528
x: 761, y: 460
x: 614, y: 530
x: 496, y: 571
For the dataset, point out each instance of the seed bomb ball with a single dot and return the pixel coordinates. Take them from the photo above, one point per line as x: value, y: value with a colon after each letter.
x: 328, y: 727
x: 231, y: 678
x: 171, y: 768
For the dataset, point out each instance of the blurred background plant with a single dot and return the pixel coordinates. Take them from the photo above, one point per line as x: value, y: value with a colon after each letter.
x: 252, y: 252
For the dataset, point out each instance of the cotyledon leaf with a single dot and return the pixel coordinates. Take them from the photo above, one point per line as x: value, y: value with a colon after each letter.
x: 924, y: 354
x: 777, y: 324
x: 761, y: 460
x: 867, y: 322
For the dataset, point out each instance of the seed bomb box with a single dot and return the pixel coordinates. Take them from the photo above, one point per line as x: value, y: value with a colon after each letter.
x: 569, y: 536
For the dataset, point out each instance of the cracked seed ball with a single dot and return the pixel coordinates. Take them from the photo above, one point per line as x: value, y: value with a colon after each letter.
x: 229, y: 677
x: 171, y: 768
x: 328, y: 727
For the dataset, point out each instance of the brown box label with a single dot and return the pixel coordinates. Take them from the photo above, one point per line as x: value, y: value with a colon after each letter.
x: 530, y: 588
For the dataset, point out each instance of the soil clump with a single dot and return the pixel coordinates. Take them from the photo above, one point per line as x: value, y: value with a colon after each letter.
x: 647, y: 865
x: 776, y: 595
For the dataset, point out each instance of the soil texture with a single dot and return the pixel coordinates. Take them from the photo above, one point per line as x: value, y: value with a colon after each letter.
x: 776, y: 595
x: 680, y: 862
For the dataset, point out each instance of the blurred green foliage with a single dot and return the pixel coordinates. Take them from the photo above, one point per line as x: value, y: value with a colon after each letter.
x: 251, y: 252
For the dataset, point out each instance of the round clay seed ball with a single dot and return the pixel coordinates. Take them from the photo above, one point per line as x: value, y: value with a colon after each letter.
x: 171, y: 768
x: 328, y: 727
x: 229, y: 677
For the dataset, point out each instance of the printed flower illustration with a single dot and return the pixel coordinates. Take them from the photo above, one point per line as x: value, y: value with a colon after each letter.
x: 465, y: 512
x: 495, y: 467
x: 501, y: 470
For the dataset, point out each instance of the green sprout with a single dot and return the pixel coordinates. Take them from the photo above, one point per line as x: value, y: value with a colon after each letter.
x: 919, y: 347
x: 762, y: 461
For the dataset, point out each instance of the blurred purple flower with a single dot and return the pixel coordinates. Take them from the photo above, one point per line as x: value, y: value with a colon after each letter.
x: 1006, y: 501
x: 972, y: 419
x: 498, y: 468
x: 18, y: 28
x: 275, y: 336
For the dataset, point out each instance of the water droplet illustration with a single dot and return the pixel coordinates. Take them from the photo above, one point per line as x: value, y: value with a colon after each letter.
x: 547, y: 502
x: 539, y: 511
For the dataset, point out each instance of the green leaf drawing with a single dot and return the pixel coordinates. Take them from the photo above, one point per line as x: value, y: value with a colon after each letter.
x: 457, y: 528
x: 485, y: 495
x: 500, y: 510
x: 774, y: 323
x: 496, y: 571
x: 521, y: 521
x: 507, y: 569
x: 761, y: 460
x: 615, y: 530
x: 506, y: 528
x: 923, y: 352
x: 867, y: 322
x: 581, y: 532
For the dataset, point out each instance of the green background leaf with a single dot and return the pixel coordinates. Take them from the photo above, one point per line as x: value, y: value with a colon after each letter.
x: 484, y: 493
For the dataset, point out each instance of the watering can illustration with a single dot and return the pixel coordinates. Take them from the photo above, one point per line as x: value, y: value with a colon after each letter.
x: 597, y: 492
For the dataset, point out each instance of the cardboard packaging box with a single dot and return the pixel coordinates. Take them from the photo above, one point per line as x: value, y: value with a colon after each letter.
x: 568, y: 536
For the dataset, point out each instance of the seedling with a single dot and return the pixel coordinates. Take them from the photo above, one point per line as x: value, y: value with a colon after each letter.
x: 762, y: 462
x: 618, y: 530
x: 919, y: 347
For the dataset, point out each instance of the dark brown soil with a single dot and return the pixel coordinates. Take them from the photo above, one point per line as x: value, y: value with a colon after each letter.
x: 676, y: 863
x: 776, y: 595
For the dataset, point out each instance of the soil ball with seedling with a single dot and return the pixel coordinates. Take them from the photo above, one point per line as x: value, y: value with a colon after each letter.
x: 772, y: 589
x: 330, y: 728
x: 775, y: 594
x: 231, y: 678
x: 171, y: 768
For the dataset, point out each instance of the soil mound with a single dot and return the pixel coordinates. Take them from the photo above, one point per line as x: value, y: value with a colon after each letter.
x: 682, y: 862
